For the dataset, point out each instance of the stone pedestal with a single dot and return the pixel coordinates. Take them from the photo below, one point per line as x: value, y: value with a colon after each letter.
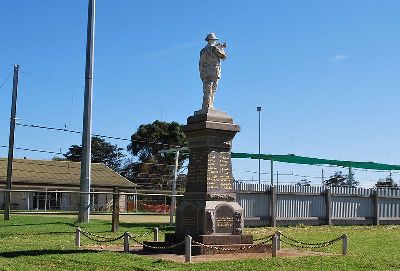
x: 209, y: 211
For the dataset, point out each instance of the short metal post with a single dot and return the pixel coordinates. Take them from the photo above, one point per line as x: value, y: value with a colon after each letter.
x: 78, y: 237
x: 278, y: 234
x: 188, y: 249
x: 126, y: 242
x: 345, y: 239
x: 274, y: 245
x: 155, y: 231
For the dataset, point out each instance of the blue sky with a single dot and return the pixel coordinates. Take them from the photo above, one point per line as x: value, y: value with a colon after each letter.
x: 326, y: 74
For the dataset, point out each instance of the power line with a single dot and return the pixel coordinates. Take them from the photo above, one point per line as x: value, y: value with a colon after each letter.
x: 96, y: 135
x: 5, y: 81
x: 33, y: 150
x: 45, y: 77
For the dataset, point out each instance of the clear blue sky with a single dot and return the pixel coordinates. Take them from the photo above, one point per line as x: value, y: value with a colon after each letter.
x: 325, y: 73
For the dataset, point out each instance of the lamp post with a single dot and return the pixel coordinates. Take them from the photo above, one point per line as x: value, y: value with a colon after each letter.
x: 259, y: 143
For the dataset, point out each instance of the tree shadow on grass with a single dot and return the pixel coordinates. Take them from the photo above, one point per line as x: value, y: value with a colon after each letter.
x: 40, y: 224
x: 148, y: 226
x: 22, y: 253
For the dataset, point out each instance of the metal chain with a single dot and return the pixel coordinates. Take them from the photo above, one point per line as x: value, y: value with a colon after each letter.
x: 139, y: 236
x: 233, y: 249
x: 296, y: 243
x: 159, y: 247
x: 105, y: 239
x: 265, y: 237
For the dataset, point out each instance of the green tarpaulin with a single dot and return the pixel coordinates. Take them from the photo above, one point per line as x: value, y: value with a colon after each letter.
x: 294, y: 159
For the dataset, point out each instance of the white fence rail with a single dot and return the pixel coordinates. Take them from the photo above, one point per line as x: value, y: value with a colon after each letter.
x: 317, y: 205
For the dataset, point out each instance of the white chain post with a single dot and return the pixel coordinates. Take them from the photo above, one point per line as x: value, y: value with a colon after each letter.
x: 126, y: 242
x: 156, y: 231
x: 78, y: 237
x: 188, y: 249
x: 278, y: 233
x: 274, y: 245
x: 345, y: 239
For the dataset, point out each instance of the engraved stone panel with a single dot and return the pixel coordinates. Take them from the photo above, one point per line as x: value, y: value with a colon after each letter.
x: 224, y: 219
x: 219, y: 170
x: 189, y: 218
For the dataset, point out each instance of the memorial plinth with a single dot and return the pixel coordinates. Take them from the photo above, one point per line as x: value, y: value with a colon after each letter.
x: 209, y: 211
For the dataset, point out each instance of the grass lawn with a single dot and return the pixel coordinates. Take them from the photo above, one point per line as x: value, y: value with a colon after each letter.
x: 47, y: 243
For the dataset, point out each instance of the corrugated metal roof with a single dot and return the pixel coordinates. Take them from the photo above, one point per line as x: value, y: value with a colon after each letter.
x: 60, y: 173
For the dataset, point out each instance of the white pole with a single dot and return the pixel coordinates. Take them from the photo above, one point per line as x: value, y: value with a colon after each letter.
x: 345, y: 239
x: 188, y: 249
x: 84, y: 214
x: 78, y: 237
x: 173, y: 196
x: 126, y: 242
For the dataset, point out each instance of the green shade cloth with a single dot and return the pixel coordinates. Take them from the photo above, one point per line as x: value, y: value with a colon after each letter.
x: 294, y: 159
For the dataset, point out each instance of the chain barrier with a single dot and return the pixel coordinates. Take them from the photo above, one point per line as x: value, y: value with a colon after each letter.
x: 102, y: 239
x: 269, y: 238
x: 157, y: 247
x: 295, y: 243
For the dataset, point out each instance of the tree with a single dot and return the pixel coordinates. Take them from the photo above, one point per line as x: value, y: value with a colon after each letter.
x: 148, y: 165
x: 102, y: 152
x: 338, y: 179
x: 304, y: 182
x: 387, y: 182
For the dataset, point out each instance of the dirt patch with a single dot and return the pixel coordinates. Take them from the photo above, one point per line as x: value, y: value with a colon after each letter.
x: 289, y: 253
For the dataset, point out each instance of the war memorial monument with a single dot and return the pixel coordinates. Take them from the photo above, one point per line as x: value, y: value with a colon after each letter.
x: 209, y: 211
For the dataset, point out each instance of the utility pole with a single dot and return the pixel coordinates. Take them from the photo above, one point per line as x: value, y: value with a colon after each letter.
x: 259, y: 143
x: 272, y: 172
x: 173, y: 196
x: 7, y: 203
x: 322, y: 177
x: 84, y: 212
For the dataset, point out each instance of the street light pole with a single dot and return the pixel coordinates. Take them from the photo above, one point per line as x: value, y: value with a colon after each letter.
x: 259, y: 143
x: 84, y: 212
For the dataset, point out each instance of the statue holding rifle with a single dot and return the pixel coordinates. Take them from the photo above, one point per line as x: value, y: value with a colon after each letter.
x: 210, y: 68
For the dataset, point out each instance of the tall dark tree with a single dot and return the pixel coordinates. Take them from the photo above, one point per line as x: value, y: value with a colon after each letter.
x: 304, y: 182
x: 148, y: 165
x: 339, y: 179
x: 388, y: 182
x: 102, y: 152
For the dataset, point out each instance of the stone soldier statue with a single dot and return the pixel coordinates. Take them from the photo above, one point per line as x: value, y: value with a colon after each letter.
x: 210, y: 68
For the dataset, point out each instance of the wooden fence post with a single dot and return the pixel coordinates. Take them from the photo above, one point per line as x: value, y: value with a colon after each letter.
x: 273, y: 200
x: 375, y: 205
x: 328, y: 206
x: 115, y: 213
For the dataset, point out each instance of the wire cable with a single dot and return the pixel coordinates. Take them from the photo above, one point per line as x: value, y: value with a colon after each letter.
x: 96, y: 135
x: 5, y: 81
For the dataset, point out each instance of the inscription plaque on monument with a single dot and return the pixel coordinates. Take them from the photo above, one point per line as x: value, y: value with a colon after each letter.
x: 189, y: 220
x: 224, y: 219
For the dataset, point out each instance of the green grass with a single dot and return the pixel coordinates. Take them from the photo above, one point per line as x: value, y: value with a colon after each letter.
x: 47, y: 243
